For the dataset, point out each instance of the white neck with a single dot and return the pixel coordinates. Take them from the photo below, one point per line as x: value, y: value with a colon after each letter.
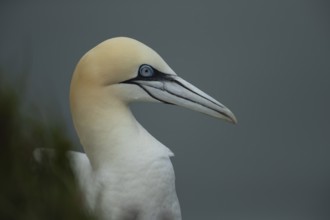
x: 111, y: 134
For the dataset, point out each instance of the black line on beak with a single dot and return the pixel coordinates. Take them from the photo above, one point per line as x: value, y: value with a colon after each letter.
x: 164, y: 77
x: 181, y: 97
x: 179, y: 83
x: 149, y: 93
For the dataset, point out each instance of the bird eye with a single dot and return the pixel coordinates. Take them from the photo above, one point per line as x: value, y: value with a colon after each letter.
x: 146, y: 71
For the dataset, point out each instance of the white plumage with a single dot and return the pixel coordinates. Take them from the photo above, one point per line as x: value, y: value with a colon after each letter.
x: 126, y: 173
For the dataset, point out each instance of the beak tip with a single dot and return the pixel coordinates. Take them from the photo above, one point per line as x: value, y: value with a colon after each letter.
x: 230, y: 117
x: 234, y: 120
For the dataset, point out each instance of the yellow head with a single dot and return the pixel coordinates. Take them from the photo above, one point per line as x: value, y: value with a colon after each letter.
x: 121, y: 70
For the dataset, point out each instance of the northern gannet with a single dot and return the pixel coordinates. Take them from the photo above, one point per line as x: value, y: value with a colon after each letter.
x: 126, y: 174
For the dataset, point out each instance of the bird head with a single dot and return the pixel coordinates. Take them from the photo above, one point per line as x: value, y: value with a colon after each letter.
x: 127, y: 70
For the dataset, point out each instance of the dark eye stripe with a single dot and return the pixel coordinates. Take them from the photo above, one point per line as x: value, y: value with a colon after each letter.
x: 157, y: 76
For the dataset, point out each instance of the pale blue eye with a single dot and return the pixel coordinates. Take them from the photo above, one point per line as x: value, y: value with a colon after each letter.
x: 146, y: 71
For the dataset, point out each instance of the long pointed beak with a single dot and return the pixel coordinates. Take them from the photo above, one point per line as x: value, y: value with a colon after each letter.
x: 172, y: 89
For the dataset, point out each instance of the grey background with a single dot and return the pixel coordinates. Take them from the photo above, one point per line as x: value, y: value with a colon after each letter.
x: 268, y: 61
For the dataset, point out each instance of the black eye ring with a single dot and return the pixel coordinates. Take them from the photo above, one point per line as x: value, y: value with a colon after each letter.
x: 146, y: 71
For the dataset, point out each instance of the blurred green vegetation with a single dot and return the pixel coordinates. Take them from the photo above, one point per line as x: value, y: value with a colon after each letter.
x: 29, y: 189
